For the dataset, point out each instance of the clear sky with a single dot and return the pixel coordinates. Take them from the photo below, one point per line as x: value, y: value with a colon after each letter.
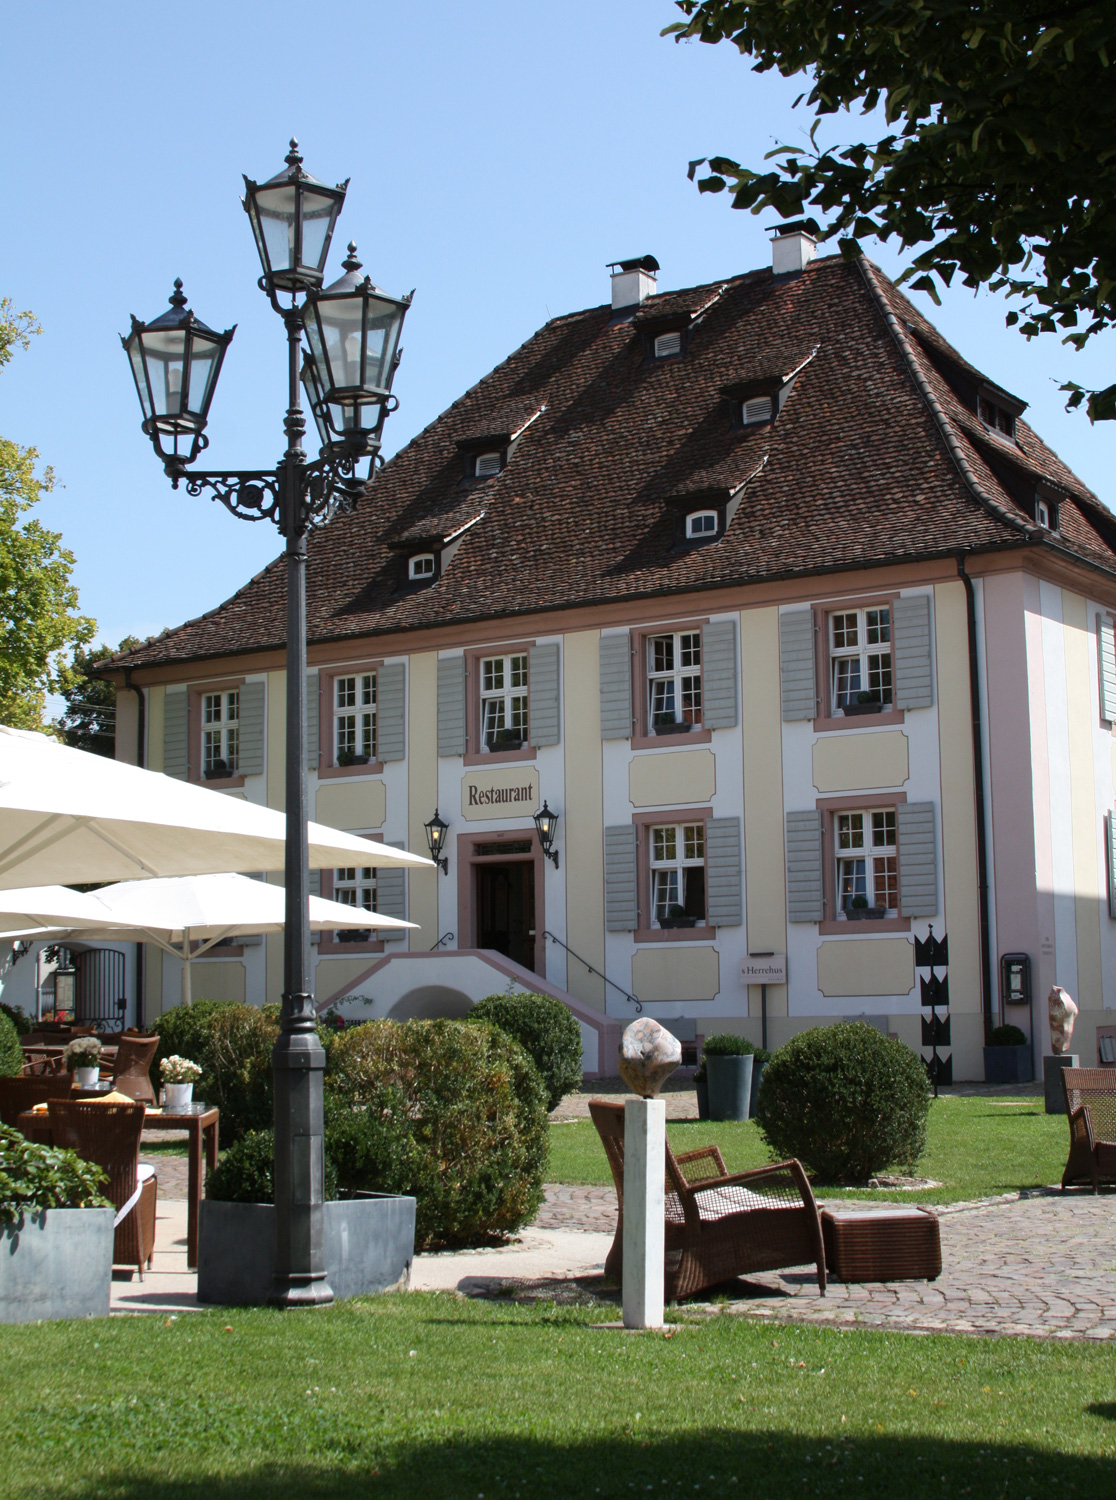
x: 501, y: 152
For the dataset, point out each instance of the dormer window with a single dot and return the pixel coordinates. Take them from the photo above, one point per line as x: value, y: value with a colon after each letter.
x: 995, y: 417
x: 422, y: 567
x: 1046, y: 513
x: 488, y: 465
x: 756, y: 409
x: 700, y: 525
x: 668, y: 344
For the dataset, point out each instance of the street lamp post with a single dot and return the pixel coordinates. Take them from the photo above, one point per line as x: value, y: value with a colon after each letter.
x: 352, y: 330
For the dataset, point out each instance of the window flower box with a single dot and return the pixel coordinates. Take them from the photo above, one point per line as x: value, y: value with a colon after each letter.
x: 670, y: 727
x: 667, y: 923
x: 350, y: 758
x: 854, y: 710
x: 865, y: 913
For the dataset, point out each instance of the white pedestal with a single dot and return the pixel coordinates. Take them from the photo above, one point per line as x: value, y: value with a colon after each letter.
x: 644, y: 1173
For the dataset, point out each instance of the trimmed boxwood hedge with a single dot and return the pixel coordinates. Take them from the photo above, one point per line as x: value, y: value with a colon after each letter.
x: 1007, y: 1036
x: 847, y: 1101
x: 547, y: 1031
x: 11, y: 1053
x: 232, y: 1044
x: 245, y: 1173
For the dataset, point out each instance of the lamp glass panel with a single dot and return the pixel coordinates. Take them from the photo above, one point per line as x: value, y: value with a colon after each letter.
x: 165, y: 356
x: 276, y: 208
x: 341, y: 320
x: 203, y: 367
x: 135, y: 355
x: 384, y: 321
x: 318, y: 213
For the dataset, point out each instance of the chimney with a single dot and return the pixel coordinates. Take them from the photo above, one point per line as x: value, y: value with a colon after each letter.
x: 793, y: 247
x: 632, y: 281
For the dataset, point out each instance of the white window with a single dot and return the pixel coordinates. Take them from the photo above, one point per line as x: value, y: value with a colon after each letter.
x: 867, y: 864
x: 1042, y: 513
x: 504, y: 702
x: 667, y: 344
x: 678, y: 875
x: 758, y: 409
x: 487, y: 465
x: 220, y: 734
x: 422, y: 566
x: 860, y: 658
x: 674, y: 680
x: 357, y: 888
x: 702, y: 523
x: 354, y: 719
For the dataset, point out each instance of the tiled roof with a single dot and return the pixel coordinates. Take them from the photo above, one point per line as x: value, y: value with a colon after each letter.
x: 873, y: 458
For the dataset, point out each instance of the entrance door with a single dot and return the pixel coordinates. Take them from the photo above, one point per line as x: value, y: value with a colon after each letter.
x: 506, y: 910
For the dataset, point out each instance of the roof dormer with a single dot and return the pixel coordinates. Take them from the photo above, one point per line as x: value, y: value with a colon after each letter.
x: 487, y: 445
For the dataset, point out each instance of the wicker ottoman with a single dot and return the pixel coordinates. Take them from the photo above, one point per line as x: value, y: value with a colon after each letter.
x: 882, y: 1244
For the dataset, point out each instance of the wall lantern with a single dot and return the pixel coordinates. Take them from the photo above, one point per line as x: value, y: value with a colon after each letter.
x: 293, y: 216
x: 547, y: 824
x: 436, y: 831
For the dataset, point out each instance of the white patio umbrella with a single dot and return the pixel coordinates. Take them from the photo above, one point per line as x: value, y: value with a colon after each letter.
x: 38, y: 906
x: 69, y: 816
x: 175, y: 913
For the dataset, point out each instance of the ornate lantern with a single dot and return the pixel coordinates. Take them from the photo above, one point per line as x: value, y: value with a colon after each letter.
x: 293, y: 217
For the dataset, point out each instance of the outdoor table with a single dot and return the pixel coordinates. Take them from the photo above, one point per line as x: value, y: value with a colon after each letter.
x: 200, y: 1121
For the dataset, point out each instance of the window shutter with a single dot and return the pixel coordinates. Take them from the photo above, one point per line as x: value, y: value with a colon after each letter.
x: 487, y: 465
x: 316, y: 882
x: 719, y: 675
x: 542, y: 680
x: 174, y: 733
x: 1106, y: 657
x: 253, y: 700
x: 391, y: 897
x: 805, y: 894
x: 313, y: 720
x: 391, y: 727
x: 667, y: 344
x: 910, y: 652
x: 918, y: 859
x: 621, y: 904
x: 758, y: 409
x: 1110, y: 852
x: 722, y: 872
x: 451, y: 705
x: 797, y: 679
x: 616, y: 687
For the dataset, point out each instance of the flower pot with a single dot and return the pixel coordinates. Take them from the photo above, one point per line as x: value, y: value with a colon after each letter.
x: 730, y: 1086
x: 56, y: 1263
x: 178, y: 1095
x: 86, y: 1078
x: 701, y: 1087
x: 1007, y: 1064
x: 757, y: 1079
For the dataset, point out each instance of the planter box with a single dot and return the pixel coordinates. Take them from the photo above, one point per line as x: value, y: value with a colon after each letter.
x: 56, y: 1264
x: 854, y: 710
x: 701, y: 1088
x: 679, y: 728
x: 864, y: 913
x: 667, y: 924
x: 730, y: 1086
x: 369, y: 1246
x: 1007, y: 1064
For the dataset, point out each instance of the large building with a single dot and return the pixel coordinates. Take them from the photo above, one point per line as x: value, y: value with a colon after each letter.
x: 782, y: 607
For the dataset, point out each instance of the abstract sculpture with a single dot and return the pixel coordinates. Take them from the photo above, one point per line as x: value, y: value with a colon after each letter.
x: 649, y: 1054
x: 1063, y: 1013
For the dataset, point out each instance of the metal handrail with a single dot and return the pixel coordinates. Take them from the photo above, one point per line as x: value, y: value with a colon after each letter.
x: 597, y: 972
x: 446, y: 937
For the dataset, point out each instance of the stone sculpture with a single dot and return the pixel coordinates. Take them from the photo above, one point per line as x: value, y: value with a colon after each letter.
x: 1063, y: 1013
x: 649, y: 1054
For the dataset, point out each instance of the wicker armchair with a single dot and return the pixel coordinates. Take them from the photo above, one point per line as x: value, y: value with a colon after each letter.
x: 131, y: 1069
x: 109, y: 1135
x: 19, y: 1094
x: 719, y: 1225
x: 1091, y: 1107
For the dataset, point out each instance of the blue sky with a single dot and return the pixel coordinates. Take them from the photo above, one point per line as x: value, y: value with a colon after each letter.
x: 500, y: 153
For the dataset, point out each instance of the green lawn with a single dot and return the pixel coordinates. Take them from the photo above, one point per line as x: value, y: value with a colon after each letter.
x: 976, y: 1147
x: 429, y: 1396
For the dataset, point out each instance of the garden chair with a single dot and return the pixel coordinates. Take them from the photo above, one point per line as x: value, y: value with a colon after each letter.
x: 1091, y: 1107
x: 130, y: 1070
x: 109, y: 1136
x: 20, y: 1094
x: 719, y: 1225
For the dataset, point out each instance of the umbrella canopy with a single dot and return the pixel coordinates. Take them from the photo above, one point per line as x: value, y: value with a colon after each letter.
x: 46, y: 906
x: 69, y: 816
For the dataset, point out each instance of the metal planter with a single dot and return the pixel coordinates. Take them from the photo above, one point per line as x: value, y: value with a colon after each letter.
x: 730, y: 1086
x: 56, y: 1264
x: 1008, y: 1064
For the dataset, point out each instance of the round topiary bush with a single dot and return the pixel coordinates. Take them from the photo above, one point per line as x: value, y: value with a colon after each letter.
x: 1007, y: 1036
x: 547, y: 1032
x: 245, y: 1173
x: 11, y: 1053
x: 847, y: 1101
x: 18, y: 1017
x: 452, y: 1112
x: 232, y: 1045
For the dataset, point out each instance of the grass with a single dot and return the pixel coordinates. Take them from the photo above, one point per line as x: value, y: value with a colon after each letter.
x: 976, y: 1146
x: 436, y: 1396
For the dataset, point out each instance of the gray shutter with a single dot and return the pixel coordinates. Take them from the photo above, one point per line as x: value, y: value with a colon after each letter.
x: 542, y: 688
x: 451, y: 705
x: 313, y: 720
x: 797, y: 678
x: 910, y: 652
x: 315, y: 882
x: 1106, y: 659
x: 616, y: 687
x: 805, y: 893
x: 621, y: 902
x: 918, y: 859
x: 253, y: 710
x: 722, y: 872
x: 1110, y: 847
x: 391, y: 726
x: 174, y: 733
x: 720, y: 677
x: 391, y: 897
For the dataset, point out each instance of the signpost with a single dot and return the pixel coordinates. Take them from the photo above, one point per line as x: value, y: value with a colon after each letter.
x: 763, y: 969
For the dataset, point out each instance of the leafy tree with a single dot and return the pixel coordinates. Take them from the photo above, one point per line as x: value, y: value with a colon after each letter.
x: 999, y: 155
x: 38, y: 601
x: 89, y: 720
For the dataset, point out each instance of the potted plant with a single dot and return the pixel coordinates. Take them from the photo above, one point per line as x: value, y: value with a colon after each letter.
x: 869, y: 702
x: 675, y: 916
x: 1007, y: 1057
x: 858, y: 910
x: 179, y: 1075
x: 218, y: 771
x: 351, y: 758
x: 56, y: 1233
x: 506, y: 739
x: 728, y: 1063
x: 667, y: 724
x: 82, y: 1058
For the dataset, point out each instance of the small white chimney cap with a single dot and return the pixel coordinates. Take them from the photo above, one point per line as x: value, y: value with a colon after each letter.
x: 632, y: 281
x: 793, y: 247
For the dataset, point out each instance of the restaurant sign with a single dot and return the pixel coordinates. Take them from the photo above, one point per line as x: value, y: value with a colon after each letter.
x: 511, y: 792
